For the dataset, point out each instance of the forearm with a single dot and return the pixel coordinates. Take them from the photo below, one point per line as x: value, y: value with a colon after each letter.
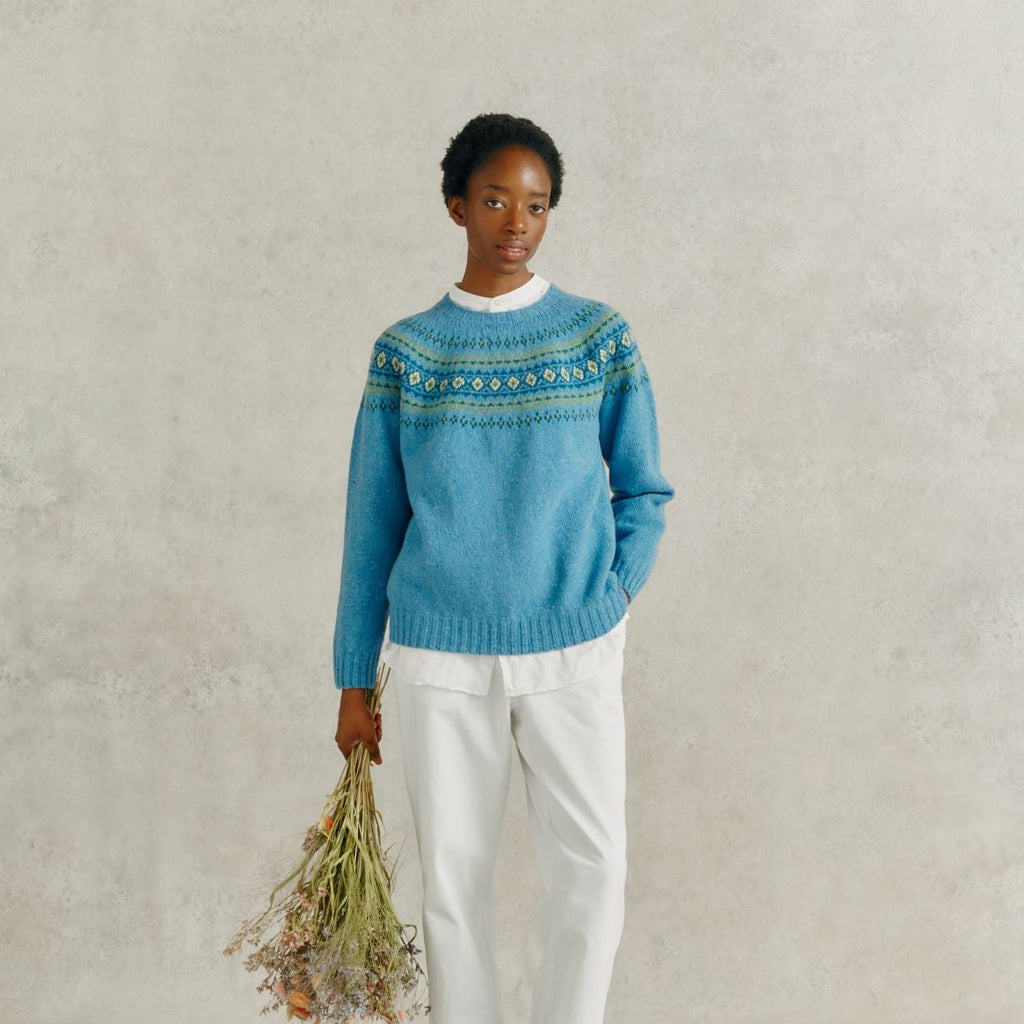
x: 639, y: 490
x: 377, y: 513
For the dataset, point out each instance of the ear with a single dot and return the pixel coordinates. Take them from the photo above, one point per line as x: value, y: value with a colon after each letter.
x: 457, y: 210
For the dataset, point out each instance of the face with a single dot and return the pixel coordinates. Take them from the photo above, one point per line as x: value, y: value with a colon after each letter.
x: 505, y: 213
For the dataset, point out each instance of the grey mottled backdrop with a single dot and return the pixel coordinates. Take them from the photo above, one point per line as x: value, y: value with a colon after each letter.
x: 810, y: 212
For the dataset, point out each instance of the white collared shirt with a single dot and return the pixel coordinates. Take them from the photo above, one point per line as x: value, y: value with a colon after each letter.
x: 520, y: 673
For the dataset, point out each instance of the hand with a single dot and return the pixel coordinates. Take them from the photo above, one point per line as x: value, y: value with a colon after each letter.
x: 357, y: 725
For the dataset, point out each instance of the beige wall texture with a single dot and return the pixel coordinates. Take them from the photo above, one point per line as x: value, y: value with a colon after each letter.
x: 811, y: 214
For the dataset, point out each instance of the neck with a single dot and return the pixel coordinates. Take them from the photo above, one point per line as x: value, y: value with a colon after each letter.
x: 478, y: 282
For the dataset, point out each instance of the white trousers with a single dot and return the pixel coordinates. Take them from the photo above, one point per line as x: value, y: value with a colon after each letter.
x: 571, y: 745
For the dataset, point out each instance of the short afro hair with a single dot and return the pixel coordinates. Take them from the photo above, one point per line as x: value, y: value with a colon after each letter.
x: 483, y: 136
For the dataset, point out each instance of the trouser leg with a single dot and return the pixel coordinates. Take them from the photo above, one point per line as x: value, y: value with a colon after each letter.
x: 457, y: 751
x: 571, y: 743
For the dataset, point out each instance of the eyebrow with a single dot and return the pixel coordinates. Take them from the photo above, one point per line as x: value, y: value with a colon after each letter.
x: 501, y: 188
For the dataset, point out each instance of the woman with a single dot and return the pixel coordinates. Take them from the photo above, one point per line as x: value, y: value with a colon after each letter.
x: 505, y: 504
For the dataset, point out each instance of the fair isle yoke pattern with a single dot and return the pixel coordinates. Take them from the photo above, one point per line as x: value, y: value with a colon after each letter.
x: 489, y: 378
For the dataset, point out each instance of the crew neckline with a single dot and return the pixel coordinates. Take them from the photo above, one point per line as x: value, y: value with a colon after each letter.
x: 504, y: 323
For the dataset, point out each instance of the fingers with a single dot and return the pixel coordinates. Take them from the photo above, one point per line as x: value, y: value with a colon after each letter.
x: 374, y: 749
x: 371, y: 744
x: 346, y: 744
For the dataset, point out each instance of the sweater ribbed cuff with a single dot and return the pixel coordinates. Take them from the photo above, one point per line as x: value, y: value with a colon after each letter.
x: 632, y: 577
x: 356, y: 669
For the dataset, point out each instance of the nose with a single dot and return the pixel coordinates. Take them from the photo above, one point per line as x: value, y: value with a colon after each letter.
x: 516, y: 223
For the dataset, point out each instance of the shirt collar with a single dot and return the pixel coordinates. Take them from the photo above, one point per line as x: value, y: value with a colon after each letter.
x: 524, y: 295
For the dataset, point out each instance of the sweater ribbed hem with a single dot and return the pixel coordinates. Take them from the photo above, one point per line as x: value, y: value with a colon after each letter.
x: 548, y: 631
x: 356, y: 669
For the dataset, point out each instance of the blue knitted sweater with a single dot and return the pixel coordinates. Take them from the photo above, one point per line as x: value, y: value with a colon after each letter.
x: 504, y: 483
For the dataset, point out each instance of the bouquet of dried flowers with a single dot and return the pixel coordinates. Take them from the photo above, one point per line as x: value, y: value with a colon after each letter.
x: 336, y: 951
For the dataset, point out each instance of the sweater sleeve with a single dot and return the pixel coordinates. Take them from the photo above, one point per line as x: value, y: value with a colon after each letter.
x: 629, y: 443
x: 377, y: 512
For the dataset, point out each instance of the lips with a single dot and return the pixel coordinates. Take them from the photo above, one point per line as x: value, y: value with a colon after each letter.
x: 512, y: 251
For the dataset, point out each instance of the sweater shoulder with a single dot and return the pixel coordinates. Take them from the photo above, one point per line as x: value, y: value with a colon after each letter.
x: 597, y: 322
x: 582, y: 303
x: 588, y: 310
x: 413, y: 325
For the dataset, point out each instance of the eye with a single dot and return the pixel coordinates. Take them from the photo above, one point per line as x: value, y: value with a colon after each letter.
x: 538, y: 208
x: 494, y: 204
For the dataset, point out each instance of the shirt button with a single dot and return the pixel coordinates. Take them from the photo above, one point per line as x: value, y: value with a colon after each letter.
x: 496, y: 305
